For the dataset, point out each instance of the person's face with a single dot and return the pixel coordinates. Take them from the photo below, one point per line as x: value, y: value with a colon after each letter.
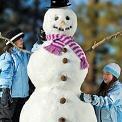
x: 19, y: 43
x: 107, y: 77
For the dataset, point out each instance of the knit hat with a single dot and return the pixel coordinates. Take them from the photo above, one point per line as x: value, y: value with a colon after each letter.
x: 113, y: 68
x: 14, y: 35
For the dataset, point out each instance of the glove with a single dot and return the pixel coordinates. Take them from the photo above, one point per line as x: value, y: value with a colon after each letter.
x: 86, y: 98
x: 6, y: 97
x: 41, y: 36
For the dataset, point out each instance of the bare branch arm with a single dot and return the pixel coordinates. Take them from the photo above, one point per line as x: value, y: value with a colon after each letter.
x: 103, y: 41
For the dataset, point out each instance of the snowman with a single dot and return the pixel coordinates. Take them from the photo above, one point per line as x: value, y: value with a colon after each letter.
x: 57, y: 69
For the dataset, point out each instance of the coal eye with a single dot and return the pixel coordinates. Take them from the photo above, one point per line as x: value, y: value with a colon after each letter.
x: 67, y: 18
x: 56, y: 18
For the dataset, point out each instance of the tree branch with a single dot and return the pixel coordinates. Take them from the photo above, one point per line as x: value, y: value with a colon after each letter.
x: 88, y: 50
x: 6, y: 39
x: 103, y: 41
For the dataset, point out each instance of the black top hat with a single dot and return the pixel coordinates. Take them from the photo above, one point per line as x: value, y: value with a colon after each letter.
x: 59, y: 3
x: 14, y: 35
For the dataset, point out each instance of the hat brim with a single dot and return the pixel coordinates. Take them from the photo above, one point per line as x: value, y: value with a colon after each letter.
x: 15, y: 38
x: 60, y: 6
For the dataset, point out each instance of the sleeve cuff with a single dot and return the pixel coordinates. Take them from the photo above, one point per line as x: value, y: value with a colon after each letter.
x: 82, y: 97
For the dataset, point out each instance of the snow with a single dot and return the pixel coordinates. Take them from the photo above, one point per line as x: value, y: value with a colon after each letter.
x: 44, y: 106
x: 61, y: 13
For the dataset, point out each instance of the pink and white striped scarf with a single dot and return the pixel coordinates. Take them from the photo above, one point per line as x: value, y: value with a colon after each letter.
x: 59, y: 41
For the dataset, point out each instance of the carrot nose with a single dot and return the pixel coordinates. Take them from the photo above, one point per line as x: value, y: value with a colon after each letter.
x: 62, y: 23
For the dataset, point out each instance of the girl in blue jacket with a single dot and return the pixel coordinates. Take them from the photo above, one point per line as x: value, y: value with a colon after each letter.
x: 14, y: 87
x: 108, y: 102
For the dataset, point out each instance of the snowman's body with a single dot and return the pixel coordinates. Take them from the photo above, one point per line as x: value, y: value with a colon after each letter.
x: 44, y: 106
x: 56, y: 77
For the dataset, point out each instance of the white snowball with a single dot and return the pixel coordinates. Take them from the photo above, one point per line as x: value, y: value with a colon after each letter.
x: 44, y: 106
x: 61, y: 14
x: 46, y: 69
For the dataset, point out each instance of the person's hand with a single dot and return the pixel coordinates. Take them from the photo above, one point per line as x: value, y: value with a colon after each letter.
x: 6, y: 97
x: 86, y: 97
x: 42, y: 34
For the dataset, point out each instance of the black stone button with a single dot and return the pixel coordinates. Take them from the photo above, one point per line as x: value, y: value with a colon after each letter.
x: 62, y: 119
x: 64, y: 50
x: 65, y: 60
x: 63, y: 78
x: 62, y: 100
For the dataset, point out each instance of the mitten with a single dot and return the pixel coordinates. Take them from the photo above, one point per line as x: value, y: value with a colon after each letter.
x: 41, y: 36
x: 86, y: 97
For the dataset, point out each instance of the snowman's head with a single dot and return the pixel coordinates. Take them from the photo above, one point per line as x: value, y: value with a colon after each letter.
x: 60, y: 21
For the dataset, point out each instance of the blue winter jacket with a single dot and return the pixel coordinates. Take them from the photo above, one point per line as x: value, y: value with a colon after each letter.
x: 13, y: 73
x: 109, y: 108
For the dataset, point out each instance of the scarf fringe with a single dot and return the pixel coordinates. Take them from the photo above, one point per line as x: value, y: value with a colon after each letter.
x: 53, y: 49
x: 83, y: 63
